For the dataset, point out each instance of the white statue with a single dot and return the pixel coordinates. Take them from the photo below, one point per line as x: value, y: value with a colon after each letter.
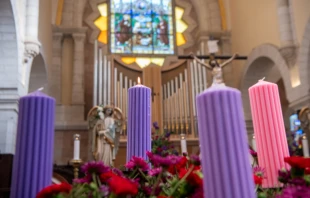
x: 106, y: 133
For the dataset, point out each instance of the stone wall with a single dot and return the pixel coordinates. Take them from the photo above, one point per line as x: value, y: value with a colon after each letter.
x: 9, y: 64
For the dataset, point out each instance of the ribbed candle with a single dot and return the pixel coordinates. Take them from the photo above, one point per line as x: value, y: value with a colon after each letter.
x: 33, y: 160
x: 224, y: 149
x: 139, y: 122
x: 271, y: 142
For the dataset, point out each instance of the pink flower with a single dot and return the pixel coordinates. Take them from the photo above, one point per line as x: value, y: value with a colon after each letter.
x: 253, y: 153
x: 94, y: 167
x: 137, y: 162
x: 163, y: 161
x: 104, y: 190
x: 295, y: 191
x: 258, y: 175
x: 155, y: 171
x: 195, y: 160
x: 117, y: 172
x: 86, y: 179
x: 258, y: 171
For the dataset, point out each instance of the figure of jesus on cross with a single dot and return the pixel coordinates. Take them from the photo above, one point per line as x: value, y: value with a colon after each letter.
x: 213, y: 64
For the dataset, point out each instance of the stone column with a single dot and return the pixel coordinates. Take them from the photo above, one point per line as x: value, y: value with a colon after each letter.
x: 32, y: 19
x: 67, y: 13
x: 288, y: 41
x: 215, y: 16
x: 78, y: 7
x: 32, y: 45
x: 32, y: 49
x: 78, y: 69
x: 54, y: 74
x: 285, y: 23
x: 8, y: 118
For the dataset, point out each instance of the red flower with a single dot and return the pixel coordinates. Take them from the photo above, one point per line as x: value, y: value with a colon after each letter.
x: 193, y: 178
x: 257, y: 180
x: 307, y: 171
x: 173, y: 168
x: 104, y: 177
x: 298, y: 162
x: 122, y: 186
x: 182, y: 163
x: 55, y: 189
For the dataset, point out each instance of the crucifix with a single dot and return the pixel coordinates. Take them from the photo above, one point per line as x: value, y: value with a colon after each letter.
x: 213, y: 64
x: 153, y: 94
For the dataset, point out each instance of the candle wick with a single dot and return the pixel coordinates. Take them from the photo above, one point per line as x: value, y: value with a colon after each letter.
x: 40, y: 89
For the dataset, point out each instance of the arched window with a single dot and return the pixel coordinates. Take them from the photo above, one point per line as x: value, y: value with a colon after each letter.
x: 141, y: 27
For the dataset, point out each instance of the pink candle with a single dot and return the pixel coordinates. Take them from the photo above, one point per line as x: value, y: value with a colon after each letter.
x: 269, y: 130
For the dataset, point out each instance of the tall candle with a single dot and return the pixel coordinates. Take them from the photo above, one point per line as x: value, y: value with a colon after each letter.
x: 224, y: 147
x: 305, y: 146
x: 76, y: 151
x: 254, y: 143
x: 33, y: 160
x: 183, y: 144
x: 139, y: 121
x: 269, y: 130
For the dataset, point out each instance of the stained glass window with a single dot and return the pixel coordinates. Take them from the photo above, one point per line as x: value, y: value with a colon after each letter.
x: 141, y: 27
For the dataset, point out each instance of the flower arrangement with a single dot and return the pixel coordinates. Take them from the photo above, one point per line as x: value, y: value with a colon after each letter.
x: 296, y: 181
x: 161, y: 144
x: 171, y: 176
x: 168, y: 175
x: 58, y: 190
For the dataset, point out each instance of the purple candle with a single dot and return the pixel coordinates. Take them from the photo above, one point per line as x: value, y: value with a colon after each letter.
x: 222, y: 135
x: 139, y: 121
x: 33, y: 160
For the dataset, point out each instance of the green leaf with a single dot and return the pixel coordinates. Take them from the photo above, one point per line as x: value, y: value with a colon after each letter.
x: 261, y: 195
x: 112, y: 195
x: 307, y: 179
x: 93, y: 185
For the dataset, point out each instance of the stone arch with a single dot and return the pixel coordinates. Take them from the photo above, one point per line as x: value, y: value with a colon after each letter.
x: 8, y: 46
x: 38, y: 74
x: 264, y: 61
x: 303, y: 60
